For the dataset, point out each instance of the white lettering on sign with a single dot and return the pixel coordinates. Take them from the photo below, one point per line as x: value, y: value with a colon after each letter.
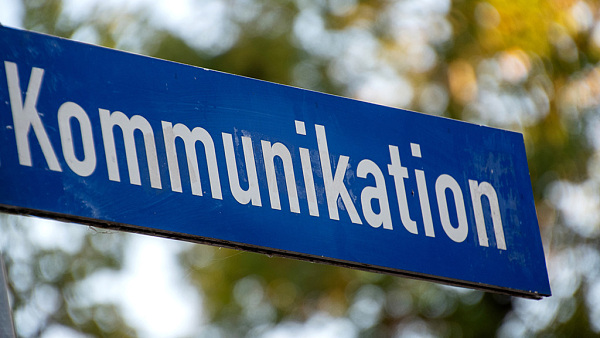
x: 190, y: 138
x: 86, y: 166
x: 27, y: 116
x: 374, y: 202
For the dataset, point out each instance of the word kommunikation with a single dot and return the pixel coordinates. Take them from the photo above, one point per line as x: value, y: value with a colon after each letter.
x: 26, y: 118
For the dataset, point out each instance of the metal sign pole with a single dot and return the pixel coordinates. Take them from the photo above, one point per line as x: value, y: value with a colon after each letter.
x: 7, y: 329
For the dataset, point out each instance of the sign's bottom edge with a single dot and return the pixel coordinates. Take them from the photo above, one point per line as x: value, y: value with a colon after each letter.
x: 267, y: 251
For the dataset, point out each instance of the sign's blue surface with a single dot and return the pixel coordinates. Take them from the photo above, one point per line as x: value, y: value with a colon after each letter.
x: 103, y: 137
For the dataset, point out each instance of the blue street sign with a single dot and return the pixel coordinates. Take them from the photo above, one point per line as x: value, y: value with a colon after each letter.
x: 107, y: 138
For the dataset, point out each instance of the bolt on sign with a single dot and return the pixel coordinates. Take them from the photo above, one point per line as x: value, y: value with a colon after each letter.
x: 123, y: 141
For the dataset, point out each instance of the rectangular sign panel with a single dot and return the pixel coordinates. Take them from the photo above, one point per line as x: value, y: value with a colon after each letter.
x: 107, y: 138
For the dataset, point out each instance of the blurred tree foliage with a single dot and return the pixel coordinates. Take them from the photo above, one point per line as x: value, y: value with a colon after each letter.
x: 530, y: 66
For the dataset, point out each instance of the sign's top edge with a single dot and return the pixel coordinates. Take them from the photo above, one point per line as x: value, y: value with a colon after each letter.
x: 260, y: 80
